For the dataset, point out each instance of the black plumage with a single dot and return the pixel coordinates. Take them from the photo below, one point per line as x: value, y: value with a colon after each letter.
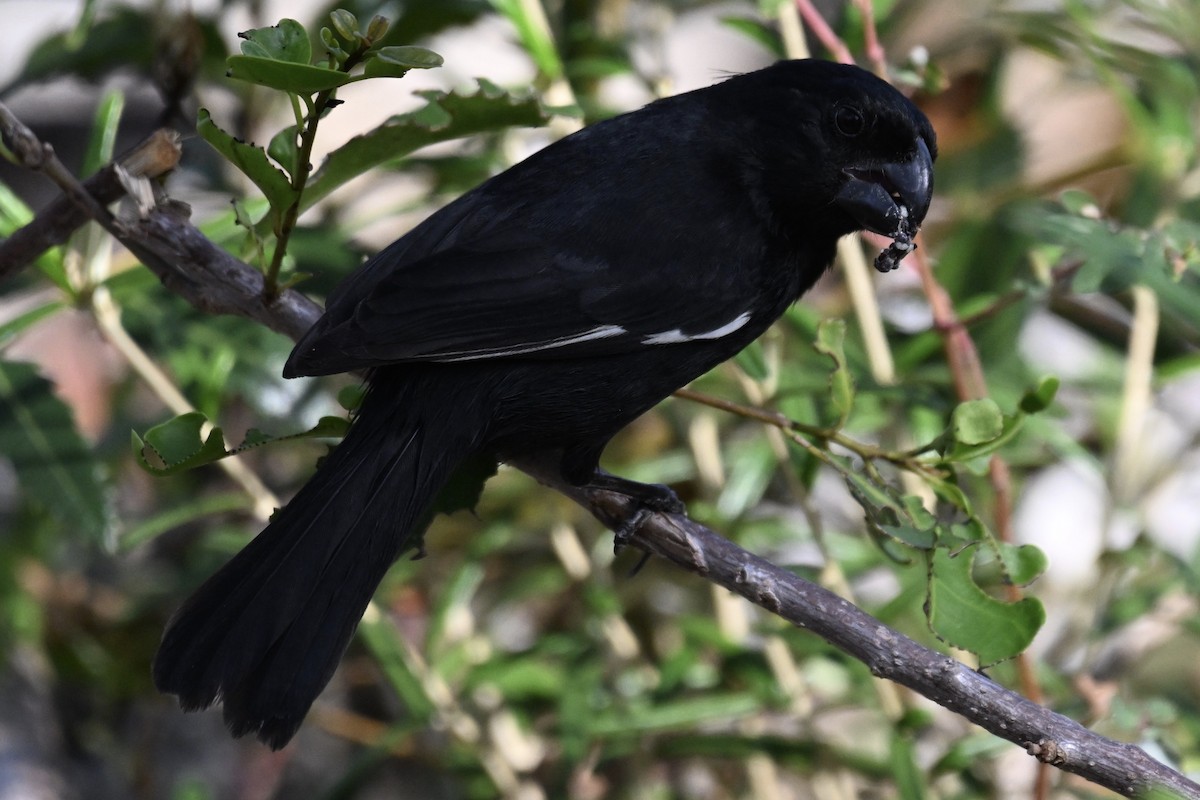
x: 541, y: 313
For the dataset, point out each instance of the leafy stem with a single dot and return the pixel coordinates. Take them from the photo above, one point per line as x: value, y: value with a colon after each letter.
x: 807, y: 436
x: 308, y: 136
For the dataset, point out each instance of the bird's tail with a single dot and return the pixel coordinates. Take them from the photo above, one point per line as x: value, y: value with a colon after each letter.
x: 266, y: 632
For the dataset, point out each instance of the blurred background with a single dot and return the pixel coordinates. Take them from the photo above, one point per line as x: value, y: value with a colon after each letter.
x: 520, y: 658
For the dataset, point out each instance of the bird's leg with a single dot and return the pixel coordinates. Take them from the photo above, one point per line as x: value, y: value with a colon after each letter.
x: 650, y: 498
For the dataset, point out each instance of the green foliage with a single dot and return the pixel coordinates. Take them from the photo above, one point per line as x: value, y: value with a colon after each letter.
x: 181, y: 443
x: 56, y: 467
x: 520, y: 637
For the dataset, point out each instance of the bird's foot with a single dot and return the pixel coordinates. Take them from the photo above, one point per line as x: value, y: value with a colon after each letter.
x: 651, y: 498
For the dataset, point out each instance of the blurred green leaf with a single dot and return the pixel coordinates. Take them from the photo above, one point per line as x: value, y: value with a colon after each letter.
x: 534, y: 37
x: 673, y: 715
x: 104, y: 132
x: 444, y: 116
x: 55, y: 466
x: 1040, y: 397
x: 977, y: 421
x: 831, y: 337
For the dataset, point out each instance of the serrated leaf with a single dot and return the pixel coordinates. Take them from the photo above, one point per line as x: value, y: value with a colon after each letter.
x: 326, y: 428
x: 830, y: 341
x: 285, y: 75
x: 176, y: 445
x: 445, y: 116
x: 54, y: 465
x: 977, y: 421
x: 287, y: 41
x: 251, y: 160
x: 965, y: 616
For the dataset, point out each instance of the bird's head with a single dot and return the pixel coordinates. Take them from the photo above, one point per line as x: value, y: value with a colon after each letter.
x: 839, y: 149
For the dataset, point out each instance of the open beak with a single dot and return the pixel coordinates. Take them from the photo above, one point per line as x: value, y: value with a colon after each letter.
x: 891, y: 199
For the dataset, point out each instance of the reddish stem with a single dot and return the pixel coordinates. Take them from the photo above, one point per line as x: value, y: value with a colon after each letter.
x: 825, y: 34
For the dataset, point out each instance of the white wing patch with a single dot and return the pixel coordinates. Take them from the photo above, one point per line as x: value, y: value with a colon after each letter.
x: 677, y: 336
x: 603, y: 332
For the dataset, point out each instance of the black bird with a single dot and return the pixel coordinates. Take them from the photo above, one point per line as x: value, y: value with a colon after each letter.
x: 539, y: 314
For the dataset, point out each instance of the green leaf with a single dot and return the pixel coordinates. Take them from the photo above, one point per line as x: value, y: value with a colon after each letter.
x: 104, y: 132
x: 1041, y: 396
x: 285, y: 75
x: 752, y: 465
x: 965, y: 616
x: 351, y: 397
x: 181, y: 515
x: 396, y: 61
x: 977, y: 421
x: 534, y: 37
x: 23, y: 321
x: 345, y: 23
x: 287, y: 41
x: 831, y: 337
x: 907, y: 775
x: 54, y: 465
x: 176, y: 445
x: 1023, y: 563
x: 443, y: 117
x: 326, y: 428
x: 382, y: 638
x: 964, y: 453
x: 765, y: 35
x: 14, y: 213
x: 251, y: 160
x: 674, y: 715
x: 753, y: 362
x: 283, y: 149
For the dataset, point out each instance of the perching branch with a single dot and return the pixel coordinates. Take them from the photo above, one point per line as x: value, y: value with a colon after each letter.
x: 213, y: 281
x: 155, y: 156
x: 1049, y: 737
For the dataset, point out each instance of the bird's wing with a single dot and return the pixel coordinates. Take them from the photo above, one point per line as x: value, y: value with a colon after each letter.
x: 462, y: 304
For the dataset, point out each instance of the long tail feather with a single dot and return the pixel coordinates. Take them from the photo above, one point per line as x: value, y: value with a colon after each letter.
x: 265, y: 633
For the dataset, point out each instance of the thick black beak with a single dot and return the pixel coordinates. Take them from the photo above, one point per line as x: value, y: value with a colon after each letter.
x: 891, y: 199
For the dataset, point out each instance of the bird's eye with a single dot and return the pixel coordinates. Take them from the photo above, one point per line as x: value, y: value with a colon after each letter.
x: 849, y: 121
